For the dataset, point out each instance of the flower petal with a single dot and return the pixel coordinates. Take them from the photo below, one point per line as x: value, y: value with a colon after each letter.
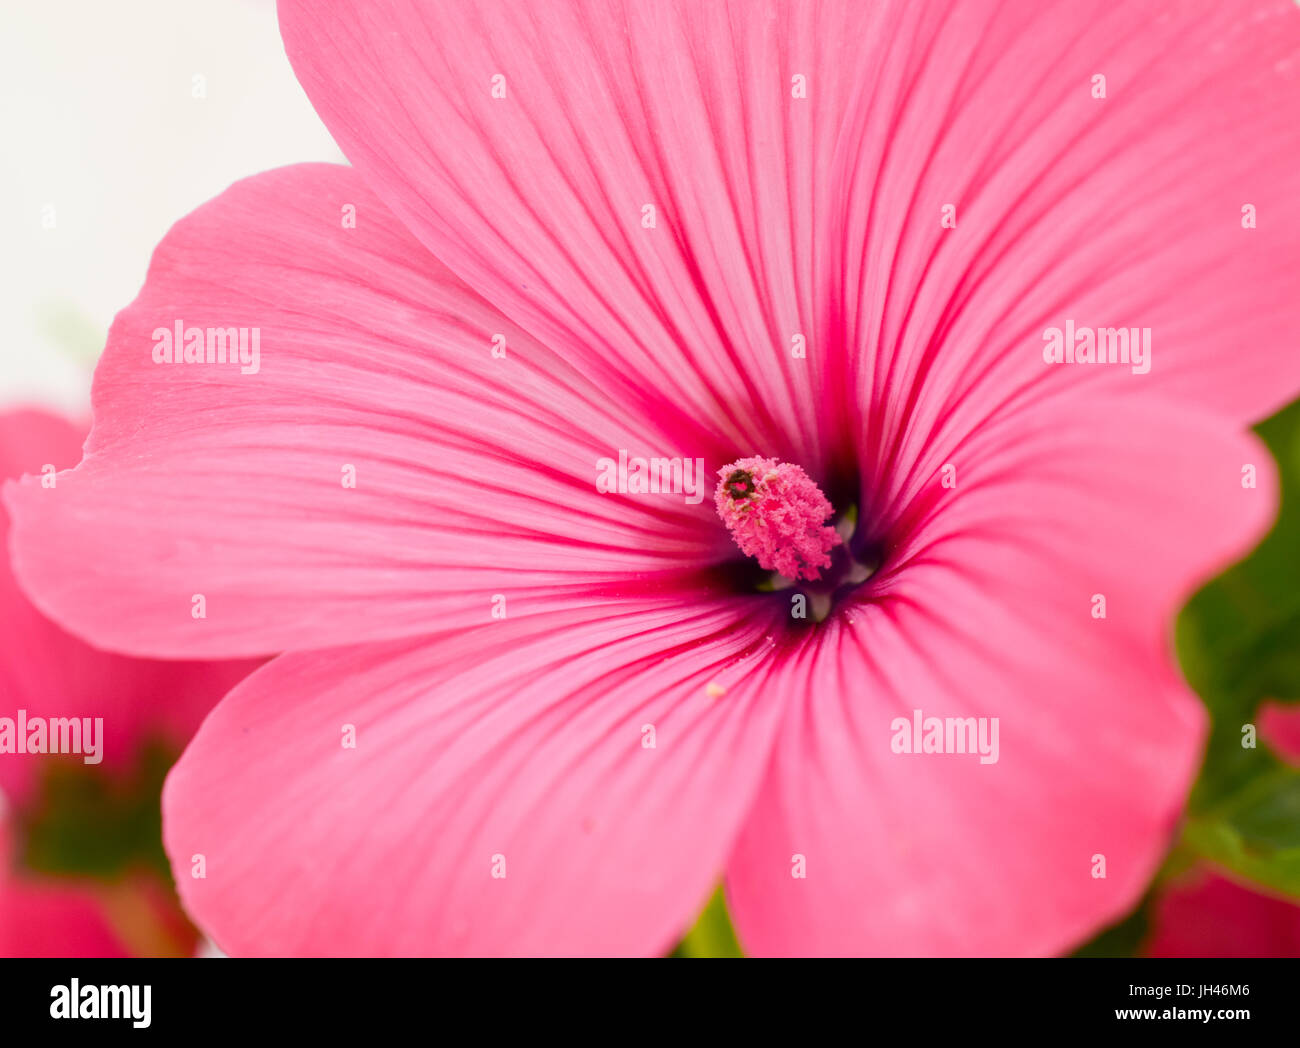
x: 517, y: 747
x: 823, y: 216
x: 475, y: 476
x: 1123, y: 211
x: 524, y: 148
x: 49, y: 673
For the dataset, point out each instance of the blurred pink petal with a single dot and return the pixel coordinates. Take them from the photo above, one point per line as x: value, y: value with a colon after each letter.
x: 1279, y: 726
x: 48, y: 917
x: 1204, y: 914
x: 49, y: 673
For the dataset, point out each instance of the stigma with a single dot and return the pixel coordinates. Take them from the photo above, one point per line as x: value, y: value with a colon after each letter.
x: 776, y: 514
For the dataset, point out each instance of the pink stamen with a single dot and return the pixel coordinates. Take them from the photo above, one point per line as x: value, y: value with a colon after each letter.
x: 775, y: 513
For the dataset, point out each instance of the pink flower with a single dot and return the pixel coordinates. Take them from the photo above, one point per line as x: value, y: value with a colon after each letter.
x: 523, y: 715
x: 120, y: 907
x: 1279, y: 726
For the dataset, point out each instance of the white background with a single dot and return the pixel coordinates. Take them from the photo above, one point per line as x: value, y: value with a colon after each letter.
x: 98, y: 118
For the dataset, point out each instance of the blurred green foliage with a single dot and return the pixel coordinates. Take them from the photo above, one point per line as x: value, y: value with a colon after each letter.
x: 712, y: 935
x: 88, y: 823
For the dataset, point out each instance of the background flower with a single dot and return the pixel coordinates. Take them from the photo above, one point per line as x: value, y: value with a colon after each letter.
x: 82, y: 871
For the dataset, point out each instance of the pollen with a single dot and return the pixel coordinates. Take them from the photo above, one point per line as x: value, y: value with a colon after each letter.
x: 776, y: 514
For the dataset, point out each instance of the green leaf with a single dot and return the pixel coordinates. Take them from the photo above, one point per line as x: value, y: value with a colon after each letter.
x: 1121, y: 939
x: 712, y: 935
x: 87, y: 823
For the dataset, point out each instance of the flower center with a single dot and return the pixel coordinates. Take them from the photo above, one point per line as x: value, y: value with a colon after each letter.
x: 777, y: 515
